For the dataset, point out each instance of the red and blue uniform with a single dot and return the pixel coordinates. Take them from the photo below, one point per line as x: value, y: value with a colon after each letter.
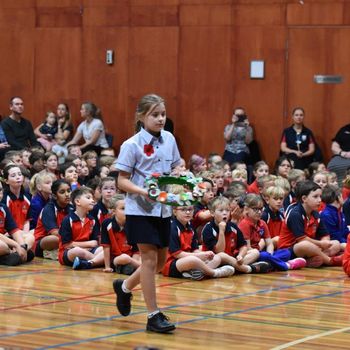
x: 234, y: 239
x: 254, y: 232
x: 7, y: 223
x: 297, y: 226
x: 114, y: 237
x: 19, y: 207
x: 100, y: 212
x: 50, y: 219
x: 182, y: 239
x: 273, y: 220
x: 73, y: 229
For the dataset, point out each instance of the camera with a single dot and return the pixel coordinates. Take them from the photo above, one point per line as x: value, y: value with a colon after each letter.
x: 241, y: 118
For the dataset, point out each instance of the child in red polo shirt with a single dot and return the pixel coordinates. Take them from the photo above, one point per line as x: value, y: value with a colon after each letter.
x: 78, y: 245
x: 304, y: 233
x: 184, y: 257
x: 108, y: 189
x: 225, y: 239
x: 260, y: 169
x: 118, y: 254
x: 50, y: 219
x: 18, y: 201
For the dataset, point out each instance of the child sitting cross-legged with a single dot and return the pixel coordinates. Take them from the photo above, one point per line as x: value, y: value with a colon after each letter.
x: 118, y: 254
x: 78, y: 245
x: 184, y: 257
x: 224, y: 238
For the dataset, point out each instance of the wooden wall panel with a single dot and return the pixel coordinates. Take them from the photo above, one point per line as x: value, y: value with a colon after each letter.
x: 197, y: 15
x: 17, y: 67
x: 263, y: 99
x: 59, y: 17
x: 205, y: 89
x: 326, y: 105
x: 58, y: 4
x: 330, y: 13
x: 107, y: 85
x: 154, y: 16
x: 58, y: 70
x: 153, y: 65
x: 108, y: 16
x: 17, y: 18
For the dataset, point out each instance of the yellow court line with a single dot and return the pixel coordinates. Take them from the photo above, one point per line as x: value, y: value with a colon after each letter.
x: 311, y: 337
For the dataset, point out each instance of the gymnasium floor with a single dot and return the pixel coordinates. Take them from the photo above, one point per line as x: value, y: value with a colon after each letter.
x: 46, y: 306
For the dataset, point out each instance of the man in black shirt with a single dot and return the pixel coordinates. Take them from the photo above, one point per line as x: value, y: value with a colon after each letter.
x: 18, y: 130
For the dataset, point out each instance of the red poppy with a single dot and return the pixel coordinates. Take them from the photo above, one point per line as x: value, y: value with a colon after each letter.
x: 148, y: 150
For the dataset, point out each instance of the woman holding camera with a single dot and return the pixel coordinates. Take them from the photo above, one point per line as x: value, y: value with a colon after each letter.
x: 238, y: 135
x: 298, y: 143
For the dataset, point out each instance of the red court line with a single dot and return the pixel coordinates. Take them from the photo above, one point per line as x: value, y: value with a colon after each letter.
x: 81, y: 297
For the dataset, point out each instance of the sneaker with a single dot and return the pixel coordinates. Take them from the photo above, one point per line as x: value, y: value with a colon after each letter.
x: 51, y: 254
x: 81, y: 264
x: 123, y: 301
x: 261, y: 267
x: 297, y: 263
x: 315, y: 261
x: 196, y: 275
x: 224, y: 271
x: 336, y: 260
x: 159, y: 323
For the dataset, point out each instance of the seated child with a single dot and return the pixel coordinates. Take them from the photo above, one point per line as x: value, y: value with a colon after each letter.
x: 236, y: 196
x: 239, y: 175
x: 79, y: 232
x: 50, y: 219
x: 201, y: 212
x: 260, y: 169
x: 224, y: 238
x: 184, y: 257
x: 294, y: 176
x: 118, y: 254
x: 304, y: 233
x: 68, y: 171
x: 332, y: 215
x: 272, y: 213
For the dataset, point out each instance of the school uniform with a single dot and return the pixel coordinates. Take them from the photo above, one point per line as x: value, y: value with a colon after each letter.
x: 253, y: 187
x: 273, y: 220
x: 196, y: 222
x: 7, y: 223
x: 234, y: 239
x: 182, y: 239
x: 334, y: 221
x: 141, y: 156
x: 290, y: 199
x: 50, y: 219
x: 100, y: 212
x: 254, y: 232
x: 74, y: 230
x: 113, y: 236
x: 346, y: 257
x: 19, y: 207
x: 297, y: 226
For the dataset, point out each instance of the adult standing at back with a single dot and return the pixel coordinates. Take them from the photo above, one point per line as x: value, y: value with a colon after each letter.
x: 18, y: 130
x: 298, y: 143
x: 238, y: 135
x: 91, y: 130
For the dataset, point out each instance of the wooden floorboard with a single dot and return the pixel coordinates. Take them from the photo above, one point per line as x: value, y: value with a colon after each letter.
x: 47, y: 306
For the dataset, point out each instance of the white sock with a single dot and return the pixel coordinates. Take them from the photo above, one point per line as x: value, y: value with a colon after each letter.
x: 250, y: 269
x: 124, y: 289
x: 150, y: 315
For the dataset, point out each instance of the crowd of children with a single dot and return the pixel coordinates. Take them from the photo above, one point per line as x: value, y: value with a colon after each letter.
x: 72, y: 207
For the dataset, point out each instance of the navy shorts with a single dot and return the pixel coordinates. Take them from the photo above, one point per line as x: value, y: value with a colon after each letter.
x: 173, y: 271
x: 147, y: 230
x: 67, y: 262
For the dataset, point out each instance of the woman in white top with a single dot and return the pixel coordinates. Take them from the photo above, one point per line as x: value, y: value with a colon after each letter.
x: 91, y: 130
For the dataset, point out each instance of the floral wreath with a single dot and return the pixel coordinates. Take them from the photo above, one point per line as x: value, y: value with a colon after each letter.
x: 194, y: 184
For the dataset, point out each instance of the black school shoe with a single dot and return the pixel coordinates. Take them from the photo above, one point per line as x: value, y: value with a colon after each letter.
x: 123, y: 300
x: 160, y: 323
x: 12, y: 259
x: 261, y: 267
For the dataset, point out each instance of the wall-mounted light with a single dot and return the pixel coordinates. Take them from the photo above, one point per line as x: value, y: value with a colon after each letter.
x: 257, y: 69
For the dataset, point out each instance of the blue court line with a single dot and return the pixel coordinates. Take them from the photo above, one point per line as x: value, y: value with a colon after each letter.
x: 27, y: 274
x: 197, y: 319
